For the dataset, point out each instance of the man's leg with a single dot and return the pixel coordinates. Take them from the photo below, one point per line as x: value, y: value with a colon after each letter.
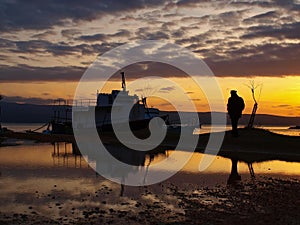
x: 234, y: 122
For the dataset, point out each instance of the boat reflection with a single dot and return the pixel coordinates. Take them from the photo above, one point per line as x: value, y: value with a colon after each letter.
x: 65, y: 154
x: 132, y: 161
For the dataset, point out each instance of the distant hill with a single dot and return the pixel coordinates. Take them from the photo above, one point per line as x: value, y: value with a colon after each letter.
x: 29, y: 113
x: 25, y: 113
x: 260, y: 119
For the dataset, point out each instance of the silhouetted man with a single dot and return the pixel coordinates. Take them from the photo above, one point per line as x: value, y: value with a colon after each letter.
x: 235, y: 107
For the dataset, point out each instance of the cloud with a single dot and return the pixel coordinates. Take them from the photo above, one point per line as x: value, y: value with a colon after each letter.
x: 164, y: 104
x: 39, y: 15
x: 28, y: 73
x: 229, y: 18
x: 56, y: 49
x: 21, y: 72
x: 26, y: 58
x: 178, y: 33
x: 255, y: 60
x: 145, y: 34
x: 252, y: 60
x: 257, y: 65
x: 145, y: 69
x: 282, y: 106
x: 198, y: 41
x: 70, y: 33
x: 25, y: 100
x: 92, y: 38
x: 267, y: 17
x: 289, y: 31
x: 223, y: 34
x: 293, y: 109
x: 104, y: 37
x: 3, y: 57
x: 188, y: 3
x: 263, y: 4
x: 289, y: 7
x: 167, y: 89
x: 5, y: 44
x: 44, y: 35
x: 246, y: 69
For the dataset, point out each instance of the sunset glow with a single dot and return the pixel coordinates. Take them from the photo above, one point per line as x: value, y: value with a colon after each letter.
x: 150, y: 112
x: 277, y: 96
x: 239, y: 40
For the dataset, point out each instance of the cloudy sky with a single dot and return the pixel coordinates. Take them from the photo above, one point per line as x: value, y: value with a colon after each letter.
x: 47, y: 45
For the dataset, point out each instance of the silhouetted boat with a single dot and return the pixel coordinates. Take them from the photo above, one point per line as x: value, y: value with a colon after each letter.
x: 2, y: 139
x: 139, y: 117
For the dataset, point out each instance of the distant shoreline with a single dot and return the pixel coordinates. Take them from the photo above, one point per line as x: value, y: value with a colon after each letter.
x: 29, y: 113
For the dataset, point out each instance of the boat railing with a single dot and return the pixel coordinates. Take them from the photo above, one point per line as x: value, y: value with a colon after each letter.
x: 62, y: 108
x: 84, y: 103
x: 75, y: 102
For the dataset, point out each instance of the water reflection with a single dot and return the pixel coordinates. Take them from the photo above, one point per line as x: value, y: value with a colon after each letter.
x: 134, y: 165
x: 66, y: 154
x: 230, y: 167
x: 54, y: 179
x: 43, y: 156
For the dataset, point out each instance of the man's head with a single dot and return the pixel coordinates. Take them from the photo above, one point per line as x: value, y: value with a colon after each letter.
x: 233, y: 92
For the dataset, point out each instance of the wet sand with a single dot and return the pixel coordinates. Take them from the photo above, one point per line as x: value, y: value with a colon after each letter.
x: 264, y: 200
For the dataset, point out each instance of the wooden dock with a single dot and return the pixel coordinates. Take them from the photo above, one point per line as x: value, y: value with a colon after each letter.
x: 39, y: 137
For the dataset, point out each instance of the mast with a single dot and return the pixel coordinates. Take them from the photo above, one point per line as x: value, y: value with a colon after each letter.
x: 123, y: 81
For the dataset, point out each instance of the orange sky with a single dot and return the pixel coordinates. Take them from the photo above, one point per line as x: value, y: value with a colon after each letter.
x: 43, y: 54
x: 279, y: 96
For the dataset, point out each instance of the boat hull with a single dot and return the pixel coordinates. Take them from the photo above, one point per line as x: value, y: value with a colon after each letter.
x: 66, y: 128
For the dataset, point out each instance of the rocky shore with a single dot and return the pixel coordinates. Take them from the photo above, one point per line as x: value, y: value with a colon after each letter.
x: 264, y: 200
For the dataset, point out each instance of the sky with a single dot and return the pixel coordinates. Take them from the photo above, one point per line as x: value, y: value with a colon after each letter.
x: 46, y: 46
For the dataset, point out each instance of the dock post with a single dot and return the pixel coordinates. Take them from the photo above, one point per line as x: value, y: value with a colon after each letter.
x: 75, y: 149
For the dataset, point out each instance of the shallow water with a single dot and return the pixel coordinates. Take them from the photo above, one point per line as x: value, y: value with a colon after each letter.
x: 204, y: 128
x: 41, y: 178
x: 283, y: 130
x: 32, y: 161
x: 275, y: 129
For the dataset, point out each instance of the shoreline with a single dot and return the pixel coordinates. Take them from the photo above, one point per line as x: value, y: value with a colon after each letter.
x: 265, y: 200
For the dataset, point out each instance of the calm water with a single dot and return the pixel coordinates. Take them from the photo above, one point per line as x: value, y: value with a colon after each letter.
x: 204, y: 129
x: 45, y: 174
x: 276, y: 129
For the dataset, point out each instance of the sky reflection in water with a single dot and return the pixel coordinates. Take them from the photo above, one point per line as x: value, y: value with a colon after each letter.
x: 35, y: 178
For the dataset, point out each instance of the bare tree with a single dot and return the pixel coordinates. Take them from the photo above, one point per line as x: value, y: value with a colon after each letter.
x: 0, y: 114
x: 253, y: 87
